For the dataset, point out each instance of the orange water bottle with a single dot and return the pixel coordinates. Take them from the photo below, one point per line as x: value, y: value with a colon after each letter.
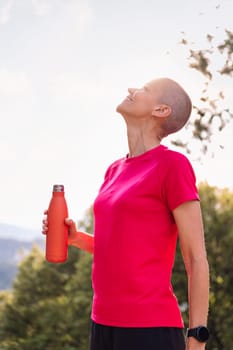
x: 57, y: 235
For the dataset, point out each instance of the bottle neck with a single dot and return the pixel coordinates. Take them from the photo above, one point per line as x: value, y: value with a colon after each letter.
x: 58, y: 194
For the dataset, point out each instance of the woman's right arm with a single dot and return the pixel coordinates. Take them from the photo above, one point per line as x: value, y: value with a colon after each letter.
x: 79, y: 239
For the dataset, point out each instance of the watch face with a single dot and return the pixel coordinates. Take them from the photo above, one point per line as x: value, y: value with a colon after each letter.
x: 203, y: 334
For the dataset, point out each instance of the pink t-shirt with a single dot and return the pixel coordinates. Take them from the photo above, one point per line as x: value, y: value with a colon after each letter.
x: 135, y: 239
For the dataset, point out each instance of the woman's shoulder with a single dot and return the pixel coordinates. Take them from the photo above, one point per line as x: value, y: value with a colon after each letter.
x: 174, y: 156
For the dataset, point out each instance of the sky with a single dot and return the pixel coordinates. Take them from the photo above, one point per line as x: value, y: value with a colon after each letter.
x: 64, y: 67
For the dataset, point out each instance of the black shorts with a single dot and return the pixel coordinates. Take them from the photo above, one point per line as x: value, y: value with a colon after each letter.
x: 119, y: 338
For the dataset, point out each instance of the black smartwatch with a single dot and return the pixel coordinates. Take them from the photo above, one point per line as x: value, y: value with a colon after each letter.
x: 201, y: 333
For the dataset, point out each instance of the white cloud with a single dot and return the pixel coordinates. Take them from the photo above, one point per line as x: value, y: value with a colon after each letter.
x: 14, y: 84
x: 41, y: 7
x: 82, y: 12
x: 84, y: 15
x: 5, y: 11
x: 7, y: 153
x: 68, y: 86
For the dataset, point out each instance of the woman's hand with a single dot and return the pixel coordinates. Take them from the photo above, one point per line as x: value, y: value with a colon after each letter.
x: 79, y: 239
x: 72, y: 230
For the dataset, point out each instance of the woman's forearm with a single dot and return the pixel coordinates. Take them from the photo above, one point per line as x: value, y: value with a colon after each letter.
x: 198, y: 289
x: 83, y: 240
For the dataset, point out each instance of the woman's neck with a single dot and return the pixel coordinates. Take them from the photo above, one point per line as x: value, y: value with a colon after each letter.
x: 141, y: 141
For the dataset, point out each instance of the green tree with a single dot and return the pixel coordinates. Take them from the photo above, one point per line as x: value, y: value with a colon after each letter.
x: 79, y: 297
x: 79, y: 293
x: 41, y: 313
x: 217, y: 209
x: 218, y: 219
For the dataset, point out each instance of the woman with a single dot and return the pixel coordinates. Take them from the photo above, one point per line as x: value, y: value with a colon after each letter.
x: 147, y: 200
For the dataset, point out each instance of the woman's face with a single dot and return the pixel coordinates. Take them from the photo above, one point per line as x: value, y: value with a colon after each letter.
x: 139, y: 103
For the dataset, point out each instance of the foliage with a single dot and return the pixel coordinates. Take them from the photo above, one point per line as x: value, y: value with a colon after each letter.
x: 217, y: 209
x: 218, y: 219
x: 12, y: 251
x: 211, y: 113
x: 47, y: 308
x: 7, y: 274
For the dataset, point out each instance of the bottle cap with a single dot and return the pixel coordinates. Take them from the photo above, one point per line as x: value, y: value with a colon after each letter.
x: 58, y: 188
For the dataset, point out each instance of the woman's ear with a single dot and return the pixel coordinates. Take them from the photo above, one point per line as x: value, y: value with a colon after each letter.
x: 161, y: 111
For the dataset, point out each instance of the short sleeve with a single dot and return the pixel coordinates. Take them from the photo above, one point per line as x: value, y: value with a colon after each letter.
x: 180, y: 181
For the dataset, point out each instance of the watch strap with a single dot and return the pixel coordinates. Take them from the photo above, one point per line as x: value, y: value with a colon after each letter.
x: 201, y: 333
x: 192, y: 332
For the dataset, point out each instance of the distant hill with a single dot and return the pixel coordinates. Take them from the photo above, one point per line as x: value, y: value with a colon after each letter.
x: 15, y: 244
x: 19, y: 233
